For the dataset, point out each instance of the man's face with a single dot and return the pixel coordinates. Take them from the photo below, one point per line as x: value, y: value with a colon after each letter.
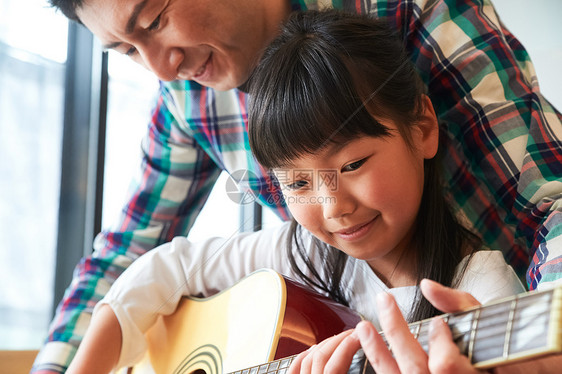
x: 216, y: 43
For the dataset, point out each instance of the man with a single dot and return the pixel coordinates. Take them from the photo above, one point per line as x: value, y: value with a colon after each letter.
x: 500, y: 137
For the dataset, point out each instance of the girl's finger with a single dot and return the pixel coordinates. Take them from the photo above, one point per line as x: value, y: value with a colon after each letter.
x: 319, y: 357
x: 342, y: 356
x: 296, y: 364
x: 409, y: 355
x: 444, y: 355
x: 314, y: 359
x: 447, y: 300
x: 375, y: 349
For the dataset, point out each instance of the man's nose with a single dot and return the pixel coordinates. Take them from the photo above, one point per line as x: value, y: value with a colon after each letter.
x: 162, y: 61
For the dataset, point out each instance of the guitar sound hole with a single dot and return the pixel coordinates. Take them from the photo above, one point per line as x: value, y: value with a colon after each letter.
x: 199, y: 371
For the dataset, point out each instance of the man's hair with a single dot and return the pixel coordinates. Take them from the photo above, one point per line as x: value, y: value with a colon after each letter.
x: 68, y: 8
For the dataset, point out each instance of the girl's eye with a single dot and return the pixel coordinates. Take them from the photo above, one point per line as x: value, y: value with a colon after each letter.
x: 354, y: 165
x: 297, y: 185
x: 154, y: 25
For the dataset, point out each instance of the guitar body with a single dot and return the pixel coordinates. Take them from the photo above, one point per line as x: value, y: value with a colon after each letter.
x: 261, y: 322
x: 262, y: 318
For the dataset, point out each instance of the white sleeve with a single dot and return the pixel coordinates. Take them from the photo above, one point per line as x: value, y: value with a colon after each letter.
x: 489, y: 277
x: 154, y: 284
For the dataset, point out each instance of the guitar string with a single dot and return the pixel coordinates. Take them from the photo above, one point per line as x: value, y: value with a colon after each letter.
x: 525, y: 301
x: 265, y: 368
x: 288, y: 360
x: 459, y: 333
x: 278, y: 367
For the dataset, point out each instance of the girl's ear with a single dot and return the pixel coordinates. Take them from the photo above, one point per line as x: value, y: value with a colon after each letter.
x: 429, y: 127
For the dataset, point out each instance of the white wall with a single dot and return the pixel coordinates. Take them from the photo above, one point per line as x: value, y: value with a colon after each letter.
x: 538, y: 26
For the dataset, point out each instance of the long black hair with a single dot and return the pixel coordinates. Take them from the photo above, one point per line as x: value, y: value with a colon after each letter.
x: 326, y: 79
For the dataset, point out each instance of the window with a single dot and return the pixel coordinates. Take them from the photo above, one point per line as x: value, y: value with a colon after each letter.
x: 31, y: 111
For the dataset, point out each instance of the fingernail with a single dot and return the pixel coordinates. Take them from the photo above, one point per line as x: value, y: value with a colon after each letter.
x: 434, y: 325
x: 383, y: 300
x: 363, y: 332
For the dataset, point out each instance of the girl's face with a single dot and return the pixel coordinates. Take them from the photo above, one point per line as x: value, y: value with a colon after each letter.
x: 363, y: 198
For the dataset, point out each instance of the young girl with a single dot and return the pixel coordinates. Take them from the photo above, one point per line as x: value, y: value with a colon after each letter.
x: 339, y: 116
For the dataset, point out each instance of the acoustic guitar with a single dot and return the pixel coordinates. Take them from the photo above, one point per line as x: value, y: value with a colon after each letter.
x: 258, y: 326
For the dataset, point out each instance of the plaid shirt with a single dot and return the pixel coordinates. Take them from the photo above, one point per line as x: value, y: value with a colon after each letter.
x: 500, y: 138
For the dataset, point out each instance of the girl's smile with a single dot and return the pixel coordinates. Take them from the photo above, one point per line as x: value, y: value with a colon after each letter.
x: 370, y: 211
x: 357, y: 232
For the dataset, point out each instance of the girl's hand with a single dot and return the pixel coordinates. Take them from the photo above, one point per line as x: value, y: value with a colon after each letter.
x: 99, y: 351
x: 407, y: 354
x: 444, y: 356
x: 333, y: 355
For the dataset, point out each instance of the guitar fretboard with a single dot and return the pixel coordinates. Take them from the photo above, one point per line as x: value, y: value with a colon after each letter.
x: 507, y: 330
x: 273, y: 367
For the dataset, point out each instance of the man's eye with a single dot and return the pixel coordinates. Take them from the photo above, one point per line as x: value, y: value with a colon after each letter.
x: 297, y: 185
x: 354, y: 165
x: 154, y: 25
x: 131, y: 51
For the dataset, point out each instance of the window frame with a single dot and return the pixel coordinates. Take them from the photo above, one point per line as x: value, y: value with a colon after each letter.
x: 83, y: 152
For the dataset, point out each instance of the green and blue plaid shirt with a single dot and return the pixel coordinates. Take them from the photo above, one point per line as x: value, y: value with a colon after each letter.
x: 501, y: 141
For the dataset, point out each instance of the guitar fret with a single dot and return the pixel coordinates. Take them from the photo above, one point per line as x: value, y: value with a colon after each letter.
x: 286, y: 362
x: 509, y: 328
x: 488, y: 334
x: 273, y: 366
x: 473, y: 328
x: 418, y: 329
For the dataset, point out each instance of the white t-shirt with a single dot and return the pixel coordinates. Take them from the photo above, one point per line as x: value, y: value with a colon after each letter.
x: 154, y: 284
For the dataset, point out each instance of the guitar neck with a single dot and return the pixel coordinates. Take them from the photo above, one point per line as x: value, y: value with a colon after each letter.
x: 508, y: 330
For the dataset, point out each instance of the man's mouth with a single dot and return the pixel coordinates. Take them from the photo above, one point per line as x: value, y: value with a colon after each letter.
x: 203, y: 68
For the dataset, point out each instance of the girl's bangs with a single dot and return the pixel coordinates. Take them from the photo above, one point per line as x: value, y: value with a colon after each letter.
x: 320, y: 107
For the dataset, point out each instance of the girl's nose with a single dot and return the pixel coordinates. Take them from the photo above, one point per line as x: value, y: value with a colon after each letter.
x: 336, y: 204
